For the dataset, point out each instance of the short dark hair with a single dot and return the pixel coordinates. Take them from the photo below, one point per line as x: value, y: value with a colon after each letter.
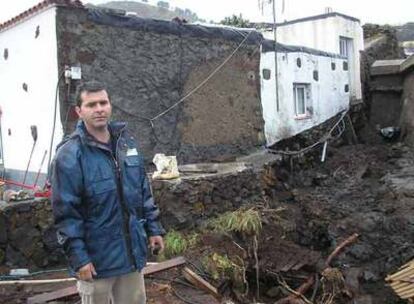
x: 90, y: 87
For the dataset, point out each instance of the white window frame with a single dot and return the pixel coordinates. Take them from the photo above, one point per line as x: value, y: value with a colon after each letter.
x: 344, y: 46
x: 305, y: 88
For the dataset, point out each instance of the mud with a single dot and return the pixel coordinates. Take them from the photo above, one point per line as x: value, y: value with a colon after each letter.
x: 360, y: 189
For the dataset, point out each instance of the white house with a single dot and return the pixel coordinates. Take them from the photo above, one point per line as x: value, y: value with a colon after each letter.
x: 313, y: 86
x: 28, y: 91
x: 332, y: 32
x: 318, y: 73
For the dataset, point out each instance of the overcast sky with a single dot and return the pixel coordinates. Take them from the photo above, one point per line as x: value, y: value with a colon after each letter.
x: 372, y: 11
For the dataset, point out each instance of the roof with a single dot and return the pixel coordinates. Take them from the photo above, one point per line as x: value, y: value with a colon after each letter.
x: 269, y: 46
x: 393, y: 66
x: 386, y: 67
x: 118, y: 19
x: 38, y: 8
x: 408, y: 64
x: 311, y: 18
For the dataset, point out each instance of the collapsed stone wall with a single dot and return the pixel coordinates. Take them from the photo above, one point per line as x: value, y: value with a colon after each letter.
x: 151, y: 67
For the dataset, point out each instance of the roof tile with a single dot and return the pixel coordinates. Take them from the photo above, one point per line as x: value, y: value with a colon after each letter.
x: 38, y: 7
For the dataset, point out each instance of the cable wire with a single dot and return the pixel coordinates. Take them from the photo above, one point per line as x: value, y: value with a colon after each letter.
x: 54, y: 120
x: 321, y: 140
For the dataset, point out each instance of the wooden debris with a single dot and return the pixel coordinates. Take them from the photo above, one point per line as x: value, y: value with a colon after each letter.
x: 54, y: 295
x: 71, y: 291
x: 164, y: 265
x: 350, y: 240
x: 402, y: 282
x: 198, y: 281
x: 297, y: 296
x: 31, y: 282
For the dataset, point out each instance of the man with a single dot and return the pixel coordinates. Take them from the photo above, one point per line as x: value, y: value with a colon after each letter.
x: 102, y: 204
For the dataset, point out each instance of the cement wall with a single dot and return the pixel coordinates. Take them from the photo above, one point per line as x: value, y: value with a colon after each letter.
x: 386, y: 103
x: 407, y: 115
x: 28, y: 79
x: 147, y: 71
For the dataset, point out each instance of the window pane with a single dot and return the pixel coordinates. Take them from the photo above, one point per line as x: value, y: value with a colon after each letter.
x: 301, y: 101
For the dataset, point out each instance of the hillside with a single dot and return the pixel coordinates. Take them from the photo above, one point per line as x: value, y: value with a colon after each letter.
x: 405, y: 32
x: 145, y: 10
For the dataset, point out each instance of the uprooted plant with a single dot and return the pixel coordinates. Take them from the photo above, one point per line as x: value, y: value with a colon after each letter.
x: 248, y: 224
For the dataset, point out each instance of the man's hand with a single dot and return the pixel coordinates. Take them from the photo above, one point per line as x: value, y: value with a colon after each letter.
x: 86, y: 272
x: 156, y: 242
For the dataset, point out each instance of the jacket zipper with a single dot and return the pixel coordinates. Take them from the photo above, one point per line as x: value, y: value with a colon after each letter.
x: 124, y: 208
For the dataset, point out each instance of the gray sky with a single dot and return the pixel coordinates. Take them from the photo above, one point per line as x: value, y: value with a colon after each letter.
x: 373, y: 11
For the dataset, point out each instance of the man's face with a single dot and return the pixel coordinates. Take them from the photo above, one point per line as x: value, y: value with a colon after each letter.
x: 95, y: 109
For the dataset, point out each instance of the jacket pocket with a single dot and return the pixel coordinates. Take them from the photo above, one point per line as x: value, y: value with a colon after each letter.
x: 139, y: 241
x: 132, y: 161
x: 108, y: 255
x: 103, y: 186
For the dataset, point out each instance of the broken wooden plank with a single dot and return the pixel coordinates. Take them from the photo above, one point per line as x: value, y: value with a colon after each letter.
x: 54, y: 295
x: 70, y: 291
x: 164, y: 265
x: 198, y: 281
x: 30, y: 282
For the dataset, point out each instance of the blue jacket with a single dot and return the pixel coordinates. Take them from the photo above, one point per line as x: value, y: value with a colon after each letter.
x: 102, y: 204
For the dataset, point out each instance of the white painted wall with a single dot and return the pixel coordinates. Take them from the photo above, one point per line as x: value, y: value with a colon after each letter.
x: 328, y: 94
x: 34, y: 62
x: 323, y: 34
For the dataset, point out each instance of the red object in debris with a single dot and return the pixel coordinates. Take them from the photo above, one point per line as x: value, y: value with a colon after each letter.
x: 37, y: 192
x: 46, y: 193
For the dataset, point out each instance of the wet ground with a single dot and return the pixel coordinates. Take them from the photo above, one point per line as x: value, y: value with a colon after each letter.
x: 307, y: 211
x: 364, y: 189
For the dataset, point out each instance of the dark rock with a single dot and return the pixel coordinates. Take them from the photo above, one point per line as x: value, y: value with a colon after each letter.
x: 369, y: 276
x: 361, y: 251
x: 275, y: 292
x: 14, y: 258
x: 2, y: 256
x: 3, y: 230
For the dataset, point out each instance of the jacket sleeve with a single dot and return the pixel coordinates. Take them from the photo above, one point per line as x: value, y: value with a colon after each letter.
x: 66, y: 201
x: 151, y: 211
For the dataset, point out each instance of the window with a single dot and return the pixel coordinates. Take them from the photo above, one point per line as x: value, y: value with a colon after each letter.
x: 344, y: 48
x: 345, y: 65
x: 266, y: 74
x: 316, y: 75
x: 301, y: 92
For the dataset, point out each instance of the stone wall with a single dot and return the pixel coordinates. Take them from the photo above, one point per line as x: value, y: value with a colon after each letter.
x: 187, y: 202
x: 27, y: 236
x: 153, y: 66
x: 28, y: 239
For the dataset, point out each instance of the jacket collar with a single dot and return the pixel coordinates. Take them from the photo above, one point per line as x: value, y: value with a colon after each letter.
x: 115, y: 129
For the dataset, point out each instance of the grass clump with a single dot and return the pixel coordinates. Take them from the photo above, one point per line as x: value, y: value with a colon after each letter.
x: 221, y: 266
x: 176, y: 243
x: 246, y: 222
